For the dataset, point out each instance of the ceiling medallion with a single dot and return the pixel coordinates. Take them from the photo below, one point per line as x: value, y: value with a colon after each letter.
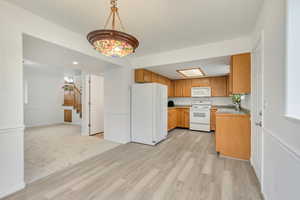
x: 111, y: 42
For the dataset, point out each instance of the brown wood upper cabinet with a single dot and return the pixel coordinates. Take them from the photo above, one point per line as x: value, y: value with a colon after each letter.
x: 155, y: 78
x: 146, y: 76
x: 143, y: 76
x: 200, y: 82
x: 240, y: 74
x: 219, y: 86
x: 187, y: 88
x: 182, y: 87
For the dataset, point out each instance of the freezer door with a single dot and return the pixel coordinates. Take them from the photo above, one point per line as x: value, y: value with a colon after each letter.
x: 142, y: 113
x: 161, y: 113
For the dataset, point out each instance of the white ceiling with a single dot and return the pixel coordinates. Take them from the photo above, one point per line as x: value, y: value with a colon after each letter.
x: 160, y: 25
x: 66, y: 71
x: 40, y: 53
x: 211, y: 67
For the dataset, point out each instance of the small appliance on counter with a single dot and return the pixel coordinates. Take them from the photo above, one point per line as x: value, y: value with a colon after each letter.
x: 171, y: 103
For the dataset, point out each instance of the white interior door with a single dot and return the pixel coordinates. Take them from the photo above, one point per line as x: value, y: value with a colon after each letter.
x: 257, y: 109
x: 96, y: 105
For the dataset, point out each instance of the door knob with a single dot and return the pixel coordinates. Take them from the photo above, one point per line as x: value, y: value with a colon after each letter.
x: 258, y: 123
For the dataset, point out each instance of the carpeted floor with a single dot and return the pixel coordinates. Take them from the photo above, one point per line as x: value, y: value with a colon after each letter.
x: 52, y: 148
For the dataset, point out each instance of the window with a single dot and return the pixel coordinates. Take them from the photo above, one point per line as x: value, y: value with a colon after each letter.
x: 293, y: 60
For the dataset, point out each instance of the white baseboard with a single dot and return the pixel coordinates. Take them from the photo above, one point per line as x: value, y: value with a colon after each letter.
x: 12, y: 190
x: 43, y: 124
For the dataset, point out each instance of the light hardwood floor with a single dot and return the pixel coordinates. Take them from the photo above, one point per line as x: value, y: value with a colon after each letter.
x: 184, y: 167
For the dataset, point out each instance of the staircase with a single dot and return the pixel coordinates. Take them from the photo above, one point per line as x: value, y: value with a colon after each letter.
x: 72, y: 97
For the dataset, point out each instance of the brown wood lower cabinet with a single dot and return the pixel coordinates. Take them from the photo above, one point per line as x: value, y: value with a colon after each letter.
x: 172, y: 119
x: 68, y: 115
x: 178, y: 117
x: 233, y: 135
x: 213, y: 112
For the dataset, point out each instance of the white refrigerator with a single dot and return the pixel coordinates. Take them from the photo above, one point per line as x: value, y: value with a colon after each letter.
x: 149, y: 113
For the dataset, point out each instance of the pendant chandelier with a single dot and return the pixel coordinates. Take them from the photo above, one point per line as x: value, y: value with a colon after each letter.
x: 112, y: 42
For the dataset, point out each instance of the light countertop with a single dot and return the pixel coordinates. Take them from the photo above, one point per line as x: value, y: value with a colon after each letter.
x: 230, y: 109
x: 233, y: 111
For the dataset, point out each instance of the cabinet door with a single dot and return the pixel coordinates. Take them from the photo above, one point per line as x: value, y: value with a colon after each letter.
x: 219, y: 86
x: 166, y: 81
x: 233, y: 135
x: 200, y: 82
x: 180, y: 120
x: 228, y: 85
x: 174, y: 118
x: 186, y: 113
x: 241, y: 73
x: 187, y: 84
x: 171, y: 88
x: 230, y: 81
x: 68, y: 115
x: 147, y: 76
x: 143, y: 76
x: 154, y: 78
x: 213, y: 112
x: 178, y: 88
x: 139, y: 75
x: 169, y: 119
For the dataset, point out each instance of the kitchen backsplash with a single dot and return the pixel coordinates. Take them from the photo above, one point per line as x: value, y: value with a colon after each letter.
x: 246, y: 101
x: 214, y: 100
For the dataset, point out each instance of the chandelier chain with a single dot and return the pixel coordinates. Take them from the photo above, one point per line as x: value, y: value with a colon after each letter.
x: 114, y: 16
x: 108, y: 19
x: 121, y: 23
x: 113, y: 3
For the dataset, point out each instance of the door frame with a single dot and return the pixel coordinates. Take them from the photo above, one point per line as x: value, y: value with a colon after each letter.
x: 259, y: 42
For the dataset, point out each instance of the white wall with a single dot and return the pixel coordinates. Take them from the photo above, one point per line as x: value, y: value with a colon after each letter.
x: 45, y: 96
x: 117, y: 97
x: 246, y: 102
x: 212, y: 50
x: 281, y: 136
x: 11, y: 106
x: 85, y: 104
x: 15, y: 22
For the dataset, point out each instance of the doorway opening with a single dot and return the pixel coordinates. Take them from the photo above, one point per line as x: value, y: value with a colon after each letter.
x: 63, y: 108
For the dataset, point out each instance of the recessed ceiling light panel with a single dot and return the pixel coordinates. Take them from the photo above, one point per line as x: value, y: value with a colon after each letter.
x: 75, y: 63
x: 190, y: 73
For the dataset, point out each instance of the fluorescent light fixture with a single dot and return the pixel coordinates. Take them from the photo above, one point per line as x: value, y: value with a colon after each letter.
x: 75, y: 63
x: 195, y: 72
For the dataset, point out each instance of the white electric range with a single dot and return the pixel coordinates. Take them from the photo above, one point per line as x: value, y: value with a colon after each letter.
x: 200, y: 115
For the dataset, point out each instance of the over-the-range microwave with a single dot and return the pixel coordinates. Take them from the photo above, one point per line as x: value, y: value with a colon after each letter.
x: 201, y: 91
